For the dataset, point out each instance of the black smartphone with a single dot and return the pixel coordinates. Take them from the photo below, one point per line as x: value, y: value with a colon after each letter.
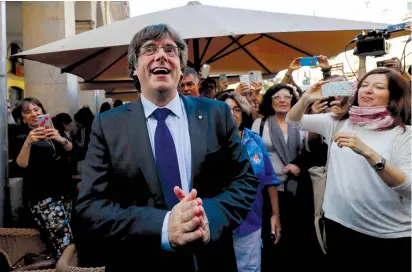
x: 330, y: 100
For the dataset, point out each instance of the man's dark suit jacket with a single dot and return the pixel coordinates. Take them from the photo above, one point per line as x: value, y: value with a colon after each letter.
x: 120, y: 210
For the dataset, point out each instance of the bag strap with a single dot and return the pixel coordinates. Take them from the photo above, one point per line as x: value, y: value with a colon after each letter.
x: 262, y: 126
x: 337, y: 129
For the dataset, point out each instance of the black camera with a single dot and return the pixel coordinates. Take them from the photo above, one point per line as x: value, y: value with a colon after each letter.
x: 372, y: 43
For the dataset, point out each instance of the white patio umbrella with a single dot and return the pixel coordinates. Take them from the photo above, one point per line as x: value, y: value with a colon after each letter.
x: 231, y: 40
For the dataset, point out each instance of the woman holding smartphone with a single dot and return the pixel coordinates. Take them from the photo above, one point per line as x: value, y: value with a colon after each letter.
x: 367, y: 200
x: 43, y: 154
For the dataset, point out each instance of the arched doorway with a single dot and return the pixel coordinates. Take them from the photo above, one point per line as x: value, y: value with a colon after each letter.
x: 15, y: 95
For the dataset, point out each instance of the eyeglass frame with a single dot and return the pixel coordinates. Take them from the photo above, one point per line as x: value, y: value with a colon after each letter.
x: 176, y: 48
x: 284, y: 97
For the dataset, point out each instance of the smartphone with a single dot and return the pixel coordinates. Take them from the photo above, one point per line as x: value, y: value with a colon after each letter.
x: 245, y: 79
x: 330, y: 100
x: 44, y: 121
x: 255, y: 76
x: 310, y: 61
x: 340, y: 88
x: 205, y: 71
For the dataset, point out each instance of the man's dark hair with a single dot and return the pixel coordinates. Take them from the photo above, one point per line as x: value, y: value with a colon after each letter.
x: 203, y: 85
x: 155, y: 33
x: 117, y: 103
x: 105, y: 107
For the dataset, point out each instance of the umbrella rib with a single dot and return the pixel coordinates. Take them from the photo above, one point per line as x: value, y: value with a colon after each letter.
x: 195, y: 44
x: 70, y: 68
x: 109, y: 66
x: 234, y: 50
x: 250, y: 55
x: 286, y: 44
x: 209, y: 40
x: 224, y: 48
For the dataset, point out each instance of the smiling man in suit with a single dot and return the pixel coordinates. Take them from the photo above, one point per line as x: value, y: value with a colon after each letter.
x: 166, y: 178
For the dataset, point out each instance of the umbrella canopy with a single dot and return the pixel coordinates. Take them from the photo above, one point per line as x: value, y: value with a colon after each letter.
x: 231, y: 40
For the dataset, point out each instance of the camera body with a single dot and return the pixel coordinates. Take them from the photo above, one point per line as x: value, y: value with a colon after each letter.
x: 372, y: 43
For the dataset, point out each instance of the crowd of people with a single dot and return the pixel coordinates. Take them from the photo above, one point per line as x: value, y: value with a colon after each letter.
x: 220, y: 179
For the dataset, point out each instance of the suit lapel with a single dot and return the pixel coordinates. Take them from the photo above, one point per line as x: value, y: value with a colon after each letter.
x: 139, y: 142
x: 197, y: 120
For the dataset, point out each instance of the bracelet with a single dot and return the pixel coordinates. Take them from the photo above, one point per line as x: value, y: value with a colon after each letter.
x: 275, y: 214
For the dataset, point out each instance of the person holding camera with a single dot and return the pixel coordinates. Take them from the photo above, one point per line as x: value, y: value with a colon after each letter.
x: 367, y: 201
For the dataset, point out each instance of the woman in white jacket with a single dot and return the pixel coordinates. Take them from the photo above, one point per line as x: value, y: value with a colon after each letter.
x: 367, y: 200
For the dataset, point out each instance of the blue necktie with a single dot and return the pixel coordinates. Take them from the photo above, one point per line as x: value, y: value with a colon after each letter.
x: 166, y: 158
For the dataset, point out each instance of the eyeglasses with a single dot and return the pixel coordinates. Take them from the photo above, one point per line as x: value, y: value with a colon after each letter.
x: 236, y: 110
x: 149, y: 50
x: 282, y: 97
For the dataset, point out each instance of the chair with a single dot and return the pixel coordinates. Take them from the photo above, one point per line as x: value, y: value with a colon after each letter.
x: 68, y: 262
x: 17, y: 242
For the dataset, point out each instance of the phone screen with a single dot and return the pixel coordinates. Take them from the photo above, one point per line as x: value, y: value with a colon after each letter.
x: 311, y: 61
x: 205, y: 71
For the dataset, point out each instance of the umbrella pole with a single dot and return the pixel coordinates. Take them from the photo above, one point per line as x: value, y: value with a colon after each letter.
x: 3, y: 108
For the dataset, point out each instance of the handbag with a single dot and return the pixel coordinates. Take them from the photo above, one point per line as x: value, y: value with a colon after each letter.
x: 318, y: 176
x: 34, y: 261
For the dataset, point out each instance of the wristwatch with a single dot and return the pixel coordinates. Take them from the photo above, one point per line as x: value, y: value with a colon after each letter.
x: 379, y: 165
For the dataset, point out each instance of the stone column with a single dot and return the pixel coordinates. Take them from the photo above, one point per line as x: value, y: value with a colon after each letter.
x: 46, y: 22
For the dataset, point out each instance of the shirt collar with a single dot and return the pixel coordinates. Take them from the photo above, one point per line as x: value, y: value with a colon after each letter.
x: 174, y: 106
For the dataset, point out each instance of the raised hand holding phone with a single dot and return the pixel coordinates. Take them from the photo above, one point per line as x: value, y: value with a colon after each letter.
x: 314, y: 92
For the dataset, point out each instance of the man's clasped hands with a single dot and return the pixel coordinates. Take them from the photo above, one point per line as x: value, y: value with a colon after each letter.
x: 187, y: 222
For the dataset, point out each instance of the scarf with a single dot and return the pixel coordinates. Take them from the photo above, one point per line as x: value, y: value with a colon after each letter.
x: 371, y: 118
x: 286, y: 151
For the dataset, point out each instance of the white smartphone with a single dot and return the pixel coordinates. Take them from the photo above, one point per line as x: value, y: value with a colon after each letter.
x: 256, y: 76
x: 205, y: 71
x: 245, y: 79
x: 340, y: 88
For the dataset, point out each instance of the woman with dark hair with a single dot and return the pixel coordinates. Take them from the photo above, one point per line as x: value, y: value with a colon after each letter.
x: 285, y: 144
x: 64, y: 124
x: 105, y: 107
x: 83, y: 119
x: 117, y: 103
x: 367, y: 201
x: 246, y: 237
x: 43, y: 155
